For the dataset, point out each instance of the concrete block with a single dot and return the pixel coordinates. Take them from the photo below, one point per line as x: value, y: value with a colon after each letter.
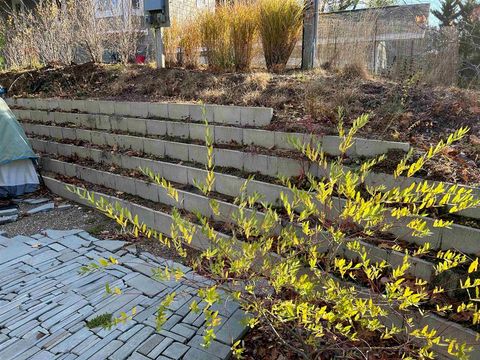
x: 101, y: 122
x: 230, y: 115
x: 197, y: 154
x: 176, y: 350
x: 154, y: 147
x: 163, y: 222
x: 136, y: 126
x: 129, y: 162
x: 199, y: 112
x: 263, y: 164
x: 92, y: 106
x: 77, y: 105
x: 370, y: 148
x: 176, y: 150
x: 84, y: 135
x: 106, y: 107
x: 174, y: 172
x: 193, y: 203
x: 291, y: 167
x: 178, y: 111
x: 119, y: 123
x: 261, y: 138
x: 146, y: 190
x: 98, y: 138
x: 197, y: 131
x: 69, y: 133
x: 462, y: 238
x: 125, y: 184
x: 131, y: 142
x: 228, y: 184
x: 156, y: 127
x: 228, y: 135
x: 51, y: 148
x: 138, y: 109
x: 178, y: 129
x: 262, y: 116
x: 110, y: 139
x: 158, y: 110
x: 283, y: 139
x: 196, y: 175
x: 122, y: 108
x: 229, y: 158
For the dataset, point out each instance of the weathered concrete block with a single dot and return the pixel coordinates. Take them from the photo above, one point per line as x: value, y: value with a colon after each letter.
x: 263, y: 164
x: 197, y: 131
x: 178, y: 129
x: 92, y: 106
x: 163, y: 222
x: 106, y: 107
x: 138, y: 109
x: 194, y: 202
x: 84, y: 135
x: 227, y: 114
x: 283, y: 139
x: 262, y: 116
x: 227, y: 135
x: 176, y: 150
x: 125, y: 184
x: 194, y: 174
x: 178, y: 111
x: 229, y: 158
x: 156, y: 127
x: 462, y: 238
x: 154, y: 147
x: 131, y: 142
x: 291, y: 167
x: 174, y: 172
x: 136, y: 126
x: 197, y: 154
x: 146, y: 190
x: 261, y: 138
x: 199, y: 112
x: 369, y: 147
x: 101, y: 122
x: 98, y: 138
x: 158, y: 110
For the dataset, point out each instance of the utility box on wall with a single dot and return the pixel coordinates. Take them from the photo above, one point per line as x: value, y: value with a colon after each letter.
x: 157, y: 13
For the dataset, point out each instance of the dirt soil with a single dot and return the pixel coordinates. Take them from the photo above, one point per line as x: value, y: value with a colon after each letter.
x: 302, y: 101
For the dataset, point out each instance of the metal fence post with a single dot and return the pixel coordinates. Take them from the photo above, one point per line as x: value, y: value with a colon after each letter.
x: 310, y: 34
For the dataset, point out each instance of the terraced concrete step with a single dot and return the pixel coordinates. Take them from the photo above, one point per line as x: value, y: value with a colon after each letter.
x: 441, y: 238
x: 220, y: 114
x: 221, y: 134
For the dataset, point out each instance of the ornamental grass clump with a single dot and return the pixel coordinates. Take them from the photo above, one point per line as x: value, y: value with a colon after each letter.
x: 216, y: 39
x: 243, y: 29
x: 280, y: 27
x: 301, y: 267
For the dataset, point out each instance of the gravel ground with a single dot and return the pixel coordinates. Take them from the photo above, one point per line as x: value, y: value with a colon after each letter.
x: 77, y: 217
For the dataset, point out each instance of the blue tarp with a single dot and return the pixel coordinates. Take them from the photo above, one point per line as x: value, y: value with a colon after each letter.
x: 13, y: 141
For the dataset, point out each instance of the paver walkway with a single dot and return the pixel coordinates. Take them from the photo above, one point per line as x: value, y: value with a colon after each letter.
x: 45, y: 303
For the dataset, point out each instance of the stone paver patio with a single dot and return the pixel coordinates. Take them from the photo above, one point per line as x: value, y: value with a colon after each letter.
x: 45, y: 303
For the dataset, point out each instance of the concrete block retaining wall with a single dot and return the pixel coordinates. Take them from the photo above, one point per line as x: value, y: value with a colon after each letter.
x: 221, y: 134
x: 459, y: 237
x: 220, y: 114
x: 248, y: 162
x: 194, y: 202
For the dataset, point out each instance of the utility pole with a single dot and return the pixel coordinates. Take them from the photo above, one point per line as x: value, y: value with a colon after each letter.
x: 310, y: 34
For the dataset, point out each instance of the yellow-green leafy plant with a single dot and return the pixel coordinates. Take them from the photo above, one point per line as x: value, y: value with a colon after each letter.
x: 243, y: 33
x: 280, y: 27
x: 215, y: 28
x: 300, y: 268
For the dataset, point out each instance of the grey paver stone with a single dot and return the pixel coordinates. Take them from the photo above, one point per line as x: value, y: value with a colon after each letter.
x: 42, y: 208
x: 183, y: 330
x: 155, y: 353
x: 150, y: 344
x: 197, y: 354
x: 173, y: 336
x: 111, y: 245
x: 175, y: 350
x: 137, y: 356
x: 36, y: 201
x: 233, y: 328
x: 8, y: 212
x: 146, y: 285
x: 8, y: 219
x: 216, y: 348
x: 132, y: 344
x: 107, y: 350
x: 57, y: 247
x: 57, y: 234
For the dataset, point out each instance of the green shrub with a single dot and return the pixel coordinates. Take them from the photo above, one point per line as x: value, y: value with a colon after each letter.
x: 288, y: 266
